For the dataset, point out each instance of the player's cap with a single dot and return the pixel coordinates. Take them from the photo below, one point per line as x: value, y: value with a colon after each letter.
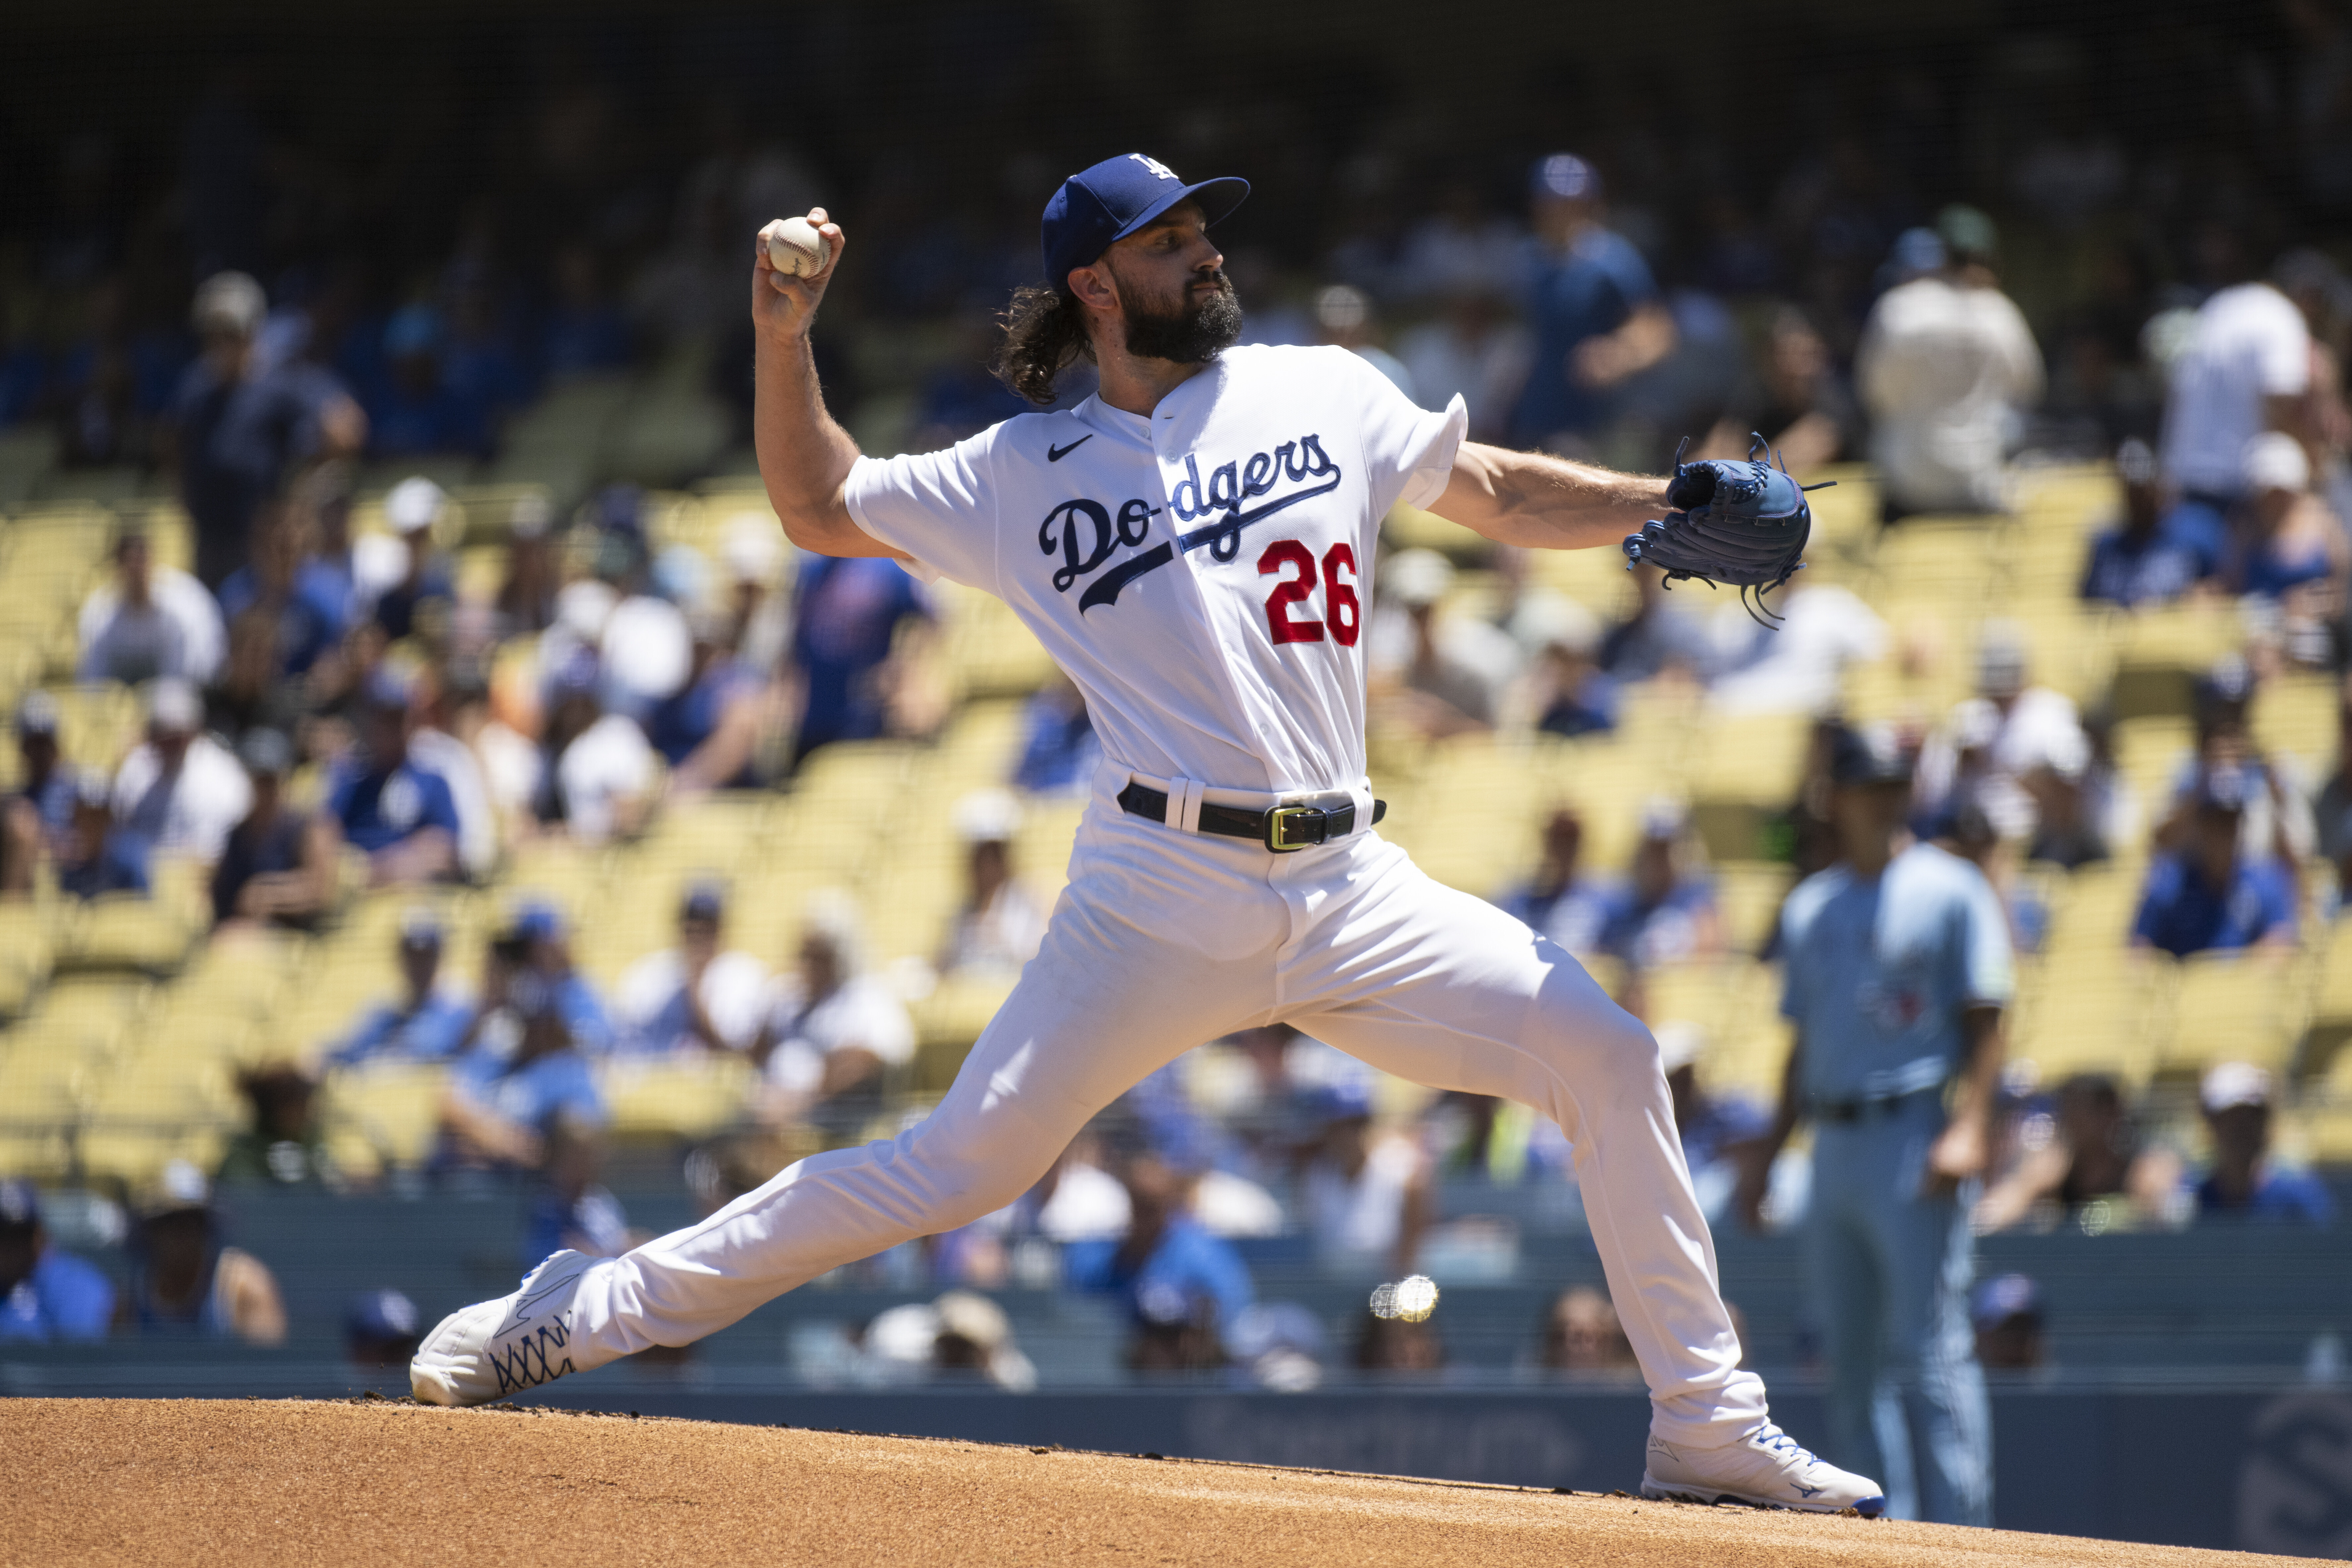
x: 180, y: 1186
x: 228, y: 304
x: 20, y: 1206
x: 174, y: 706
x: 1416, y: 577
x: 386, y: 690
x: 1868, y: 754
x: 530, y: 517
x: 36, y: 714
x: 2275, y: 461
x: 2001, y: 659
x: 2223, y: 790
x: 2135, y: 462
x: 414, y: 504
x: 1664, y: 816
x: 1967, y: 233
x: 2227, y: 1085
x: 536, y: 920
x: 987, y: 817
x: 381, y: 1315
x: 2229, y: 682
x: 1916, y: 250
x: 420, y: 928
x: 1098, y: 207
x: 266, y: 753
x: 974, y: 1319
x: 1345, y: 1099
x: 1997, y: 1300
x: 93, y: 791
x: 1565, y: 177
x: 705, y: 901
x: 413, y: 330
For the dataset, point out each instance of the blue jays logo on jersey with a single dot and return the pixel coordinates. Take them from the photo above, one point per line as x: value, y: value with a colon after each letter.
x: 1086, y: 534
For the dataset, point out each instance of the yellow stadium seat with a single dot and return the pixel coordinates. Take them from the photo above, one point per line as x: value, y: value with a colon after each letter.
x: 127, y: 931
x: 2248, y: 1007
x: 395, y: 1109
x: 691, y: 1098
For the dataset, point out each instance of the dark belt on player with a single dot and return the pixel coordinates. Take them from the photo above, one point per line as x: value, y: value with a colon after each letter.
x: 1282, y: 829
x: 1846, y: 1112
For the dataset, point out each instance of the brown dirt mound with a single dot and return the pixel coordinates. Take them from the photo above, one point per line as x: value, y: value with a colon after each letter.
x: 265, y: 1482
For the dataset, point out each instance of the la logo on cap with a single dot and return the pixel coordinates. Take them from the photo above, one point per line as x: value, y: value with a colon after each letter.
x: 1155, y: 166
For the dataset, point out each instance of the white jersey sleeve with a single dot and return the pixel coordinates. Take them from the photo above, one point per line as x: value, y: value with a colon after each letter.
x: 941, y: 508
x: 1408, y: 451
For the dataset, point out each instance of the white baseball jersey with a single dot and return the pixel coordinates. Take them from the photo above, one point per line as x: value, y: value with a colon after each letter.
x: 1204, y: 573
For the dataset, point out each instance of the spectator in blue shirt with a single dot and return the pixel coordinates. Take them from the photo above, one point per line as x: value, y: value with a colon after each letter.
x: 541, y: 943
x: 1560, y: 900
x: 2242, y: 1183
x: 416, y: 410
x: 708, y: 731
x: 2208, y: 896
x: 428, y: 1024
x: 37, y: 816
x: 239, y: 428
x: 101, y: 856
x: 402, y: 816
x: 1058, y: 749
x: 517, y: 1087
x: 1594, y: 307
x: 2151, y: 556
x: 846, y: 619
x: 44, y: 1294
x: 277, y: 864
x: 1184, y: 1287
x: 289, y: 585
x: 412, y: 509
x: 1661, y: 915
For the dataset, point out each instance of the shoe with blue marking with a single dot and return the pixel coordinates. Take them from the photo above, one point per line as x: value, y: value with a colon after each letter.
x: 1766, y: 1468
x: 495, y: 1348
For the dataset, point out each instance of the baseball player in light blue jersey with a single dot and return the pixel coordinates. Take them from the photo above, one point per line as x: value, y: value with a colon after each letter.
x: 1898, y: 968
x: 1195, y: 546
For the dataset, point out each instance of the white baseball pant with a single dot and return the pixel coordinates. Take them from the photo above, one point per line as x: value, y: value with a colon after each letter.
x: 1164, y: 940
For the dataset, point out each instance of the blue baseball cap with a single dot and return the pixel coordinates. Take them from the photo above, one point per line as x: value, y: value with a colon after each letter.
x: 1098, y: 207
x: 1564, y: 177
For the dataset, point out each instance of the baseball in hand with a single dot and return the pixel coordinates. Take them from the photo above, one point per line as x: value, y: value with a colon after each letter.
x: 794, y: 247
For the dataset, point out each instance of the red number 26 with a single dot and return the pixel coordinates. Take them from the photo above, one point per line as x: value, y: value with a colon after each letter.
x: 1347, y: 615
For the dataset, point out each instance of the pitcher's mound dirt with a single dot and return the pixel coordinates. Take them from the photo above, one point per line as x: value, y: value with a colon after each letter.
x: 265, y: 1482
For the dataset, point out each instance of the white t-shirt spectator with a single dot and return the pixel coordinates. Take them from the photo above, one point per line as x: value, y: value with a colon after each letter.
x: 862, y: 1014
x: 2041, y: 729
x: 190, y: 811
x: 998, y: 940
x: 1088, y: 1204
x: 1946, y: 371
x: 178, y: 633
x: 734, y: 992
x: 478, y: 824
x: 609, y: 762
x: 1795, y: 669
x: 1357, y: 1219
x: 2249, y: 343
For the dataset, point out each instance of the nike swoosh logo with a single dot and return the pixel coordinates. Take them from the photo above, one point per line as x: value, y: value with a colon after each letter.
x: 1055, y: 454
x: 1237, y: 521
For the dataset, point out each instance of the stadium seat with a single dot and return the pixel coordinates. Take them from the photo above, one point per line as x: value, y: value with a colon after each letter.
x: 675, y: 1100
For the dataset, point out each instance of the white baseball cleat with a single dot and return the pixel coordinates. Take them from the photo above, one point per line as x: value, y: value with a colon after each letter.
x: 492, y: 1348
x: 1766, y: 1468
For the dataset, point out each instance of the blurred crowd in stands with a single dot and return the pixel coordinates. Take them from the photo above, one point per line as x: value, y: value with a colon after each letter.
x: 264, y: 336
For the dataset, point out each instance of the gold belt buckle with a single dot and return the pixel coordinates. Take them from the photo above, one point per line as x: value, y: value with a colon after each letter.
x: 1290, y: 828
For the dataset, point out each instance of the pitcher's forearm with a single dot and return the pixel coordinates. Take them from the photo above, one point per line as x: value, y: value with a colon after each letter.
x: 1544, y: 502
x: 804, y: 454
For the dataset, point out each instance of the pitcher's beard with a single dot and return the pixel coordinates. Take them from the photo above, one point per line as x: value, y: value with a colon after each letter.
x: 1195, y: 332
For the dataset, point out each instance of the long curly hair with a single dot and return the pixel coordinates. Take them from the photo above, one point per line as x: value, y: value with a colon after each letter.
x: 1044, y: 335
